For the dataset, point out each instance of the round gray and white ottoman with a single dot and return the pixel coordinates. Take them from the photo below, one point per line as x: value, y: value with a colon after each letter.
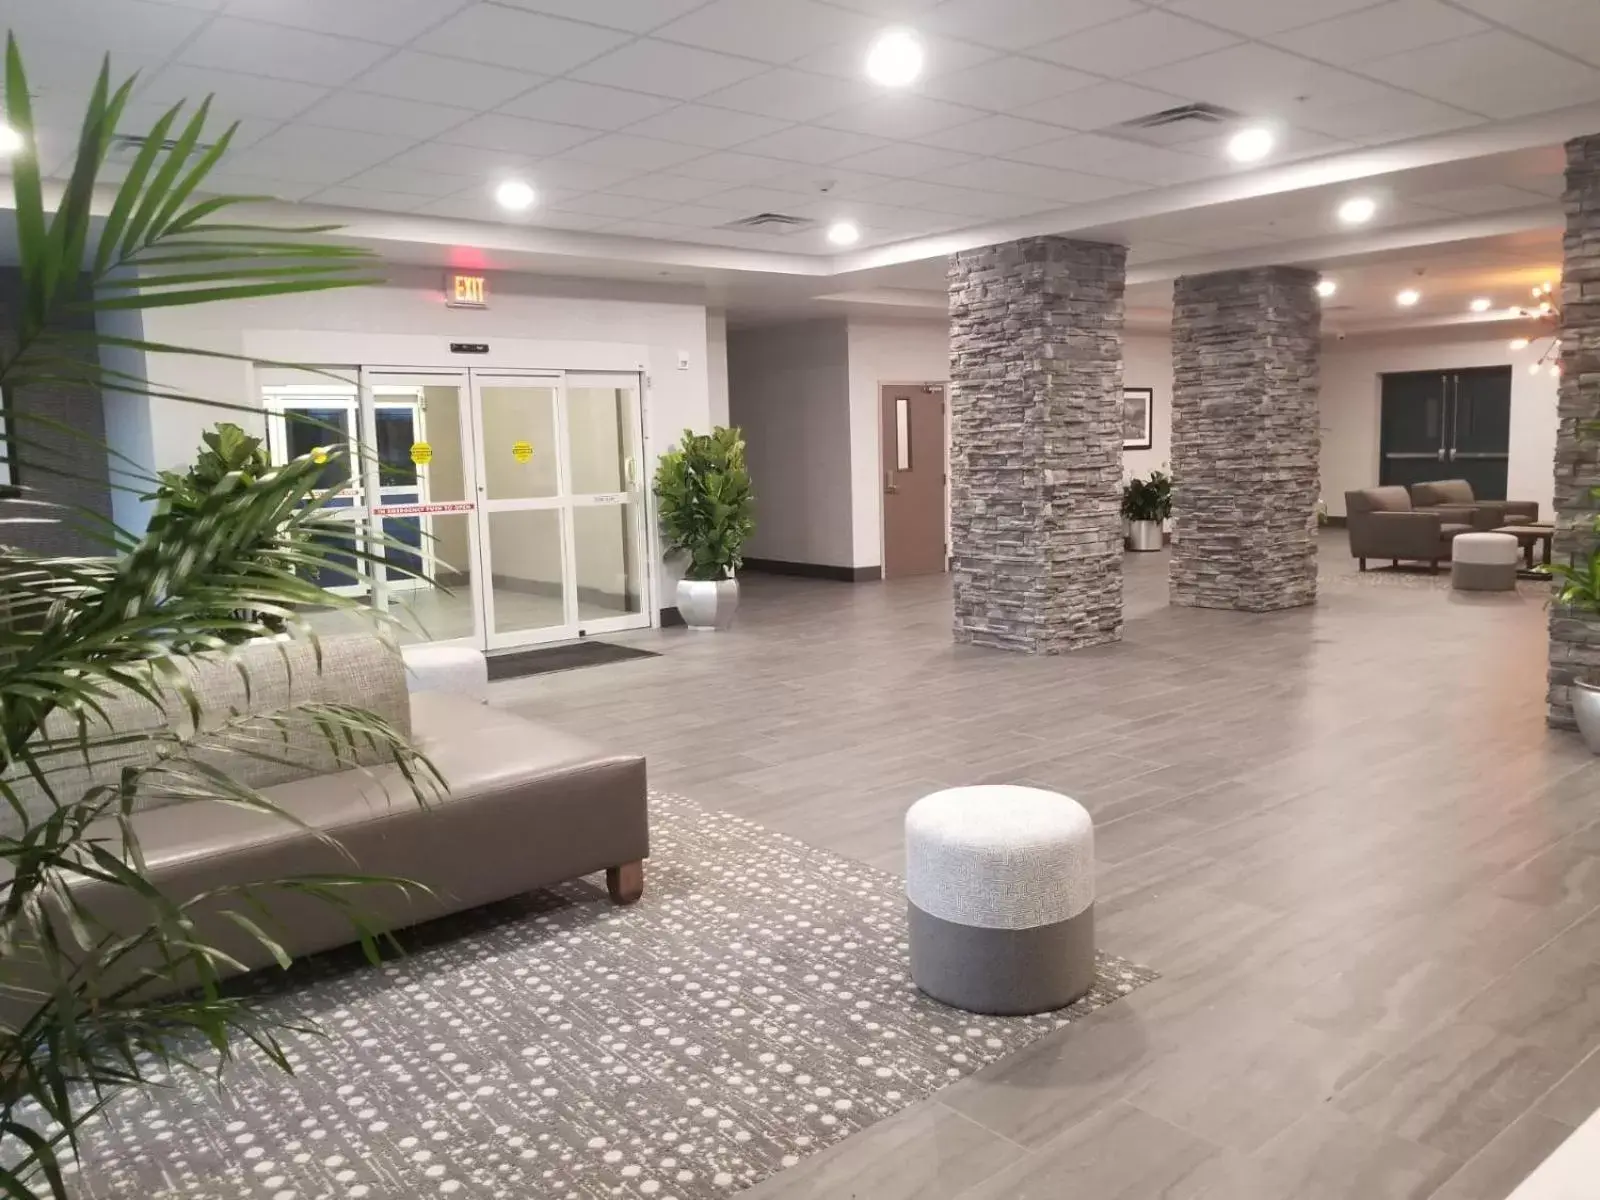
x: 1000, y: 898
x: 1484, y: 562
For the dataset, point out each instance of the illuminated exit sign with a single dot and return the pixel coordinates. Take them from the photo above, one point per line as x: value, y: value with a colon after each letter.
x: 466, y: 291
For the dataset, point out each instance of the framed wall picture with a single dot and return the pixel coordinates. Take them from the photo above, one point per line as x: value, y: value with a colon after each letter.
x: 1138, y: 418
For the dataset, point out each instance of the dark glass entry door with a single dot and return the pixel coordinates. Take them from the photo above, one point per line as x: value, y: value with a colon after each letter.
x: 1447, y: 425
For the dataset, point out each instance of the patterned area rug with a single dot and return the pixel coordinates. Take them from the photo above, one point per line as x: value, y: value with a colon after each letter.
x: 752, y: 1009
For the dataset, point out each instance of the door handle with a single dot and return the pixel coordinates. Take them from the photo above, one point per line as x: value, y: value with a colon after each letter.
x: 1441, y: 453
x: 889, y: 488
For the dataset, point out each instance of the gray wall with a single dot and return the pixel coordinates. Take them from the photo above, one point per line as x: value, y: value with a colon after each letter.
x: 68, y: 467
x: 789, y: 390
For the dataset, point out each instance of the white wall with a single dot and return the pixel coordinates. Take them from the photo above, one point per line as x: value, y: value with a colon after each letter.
x: 1351, y: 390
x: 717, y: 365
x: 789, y: 390
x: 569, y: 324
x: 1147, y: 362
x: 883, y: 352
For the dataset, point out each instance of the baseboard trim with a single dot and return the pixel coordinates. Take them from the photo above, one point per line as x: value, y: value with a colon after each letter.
x: 671, y: 618
x: 773, y: 566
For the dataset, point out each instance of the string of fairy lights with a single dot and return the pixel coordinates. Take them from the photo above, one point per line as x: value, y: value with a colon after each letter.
x: 1544, y: 309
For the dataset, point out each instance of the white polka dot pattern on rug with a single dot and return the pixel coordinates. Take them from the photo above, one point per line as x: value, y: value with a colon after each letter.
x: 752, y: 1009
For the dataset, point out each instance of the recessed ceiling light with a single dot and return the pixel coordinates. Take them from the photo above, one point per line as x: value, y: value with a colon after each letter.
x: 1408, y: 297
x: 515, y: 195
x: 1357, y: 210
x: 1481, y: 304
x: 10, y: 140
x: 1250, y: 145
x: 844, y: 233
x: 1326, y: 288
x: 895, y: 59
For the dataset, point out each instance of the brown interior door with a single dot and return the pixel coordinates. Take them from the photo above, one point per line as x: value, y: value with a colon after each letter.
x: 913, y: 480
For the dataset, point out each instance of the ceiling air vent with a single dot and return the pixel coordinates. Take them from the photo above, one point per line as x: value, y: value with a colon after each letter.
x: 128, y: 145
x: 770, y: 222
x: 1204, y: 114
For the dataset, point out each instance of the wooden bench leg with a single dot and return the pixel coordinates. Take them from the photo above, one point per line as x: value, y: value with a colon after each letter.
x: 625, y: 883
x: 1363, y: 563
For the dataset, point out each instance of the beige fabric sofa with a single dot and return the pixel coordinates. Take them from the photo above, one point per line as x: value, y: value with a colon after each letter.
x: 1383, y: 524
x: 1454, y: 501
x: 526, y: 805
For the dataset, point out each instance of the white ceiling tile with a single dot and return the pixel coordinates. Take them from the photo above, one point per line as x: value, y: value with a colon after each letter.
x: 1494, y: 73
x: 636, y: 16
x: 1100, y: 106
x: 813, y: 144
x: 747, y: 200
x: 586, y: 104
x: 1152, y: 164
x: 942, y: 198
x: 1390, y: 118
x: 940, y: 56
x: 455, y: 160
x: 789, y: 95
x: 567, y: 172
x: 281, y: 171
x: 700, y: 125
x: 733, y: 167
x: 601, y: 204
x: 992, y: 135
x: 412, y: 181
x: 1068, y: 187
x: 1019, y: 24
x: 1486, y: 198
x: 667, y: 70
x: 642, y: 154
x: 368, y: 198
x: 778, y: 31
x: 393, y: 22
x: 1259, y: 81
x: 892, y: 10
x: 1292, y: 144
x: 638, y: 227
x: 312, y: 144
x: 1007, y: 83
x: 666, y: 187
x: 413, y: 76
x: 224, y: 181
x: 699, y: 216
x: 1136, y: 43
x: 1572, y: 26
x: 831, y: 182
x: 1391, y: 28
x: 516, y: 136
x: 384, y: 114
x: 482, y: 207
x: 256, y: 48
x: 900, y: 116
x: 509, y: 37
x: 1151, y: 250
x: 1256, y: 18
x: 247, y: 95
x: 906, y: 159
x: 128, y: 28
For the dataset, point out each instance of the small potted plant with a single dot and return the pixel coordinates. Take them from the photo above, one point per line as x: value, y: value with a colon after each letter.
x: 707, y: 513
x: 1578, y: 592
x: 1146, y: 503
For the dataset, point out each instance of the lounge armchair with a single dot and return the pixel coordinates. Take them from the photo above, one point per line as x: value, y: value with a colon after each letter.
x: 1383, y: 524
x: 1453, y: 500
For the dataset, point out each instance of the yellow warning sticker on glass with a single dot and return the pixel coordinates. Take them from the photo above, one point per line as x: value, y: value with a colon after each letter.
x: 522, y: 451
x: 421, y: 453
x: 319, y: 456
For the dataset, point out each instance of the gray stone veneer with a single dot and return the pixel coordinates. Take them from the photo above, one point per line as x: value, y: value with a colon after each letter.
x: 1036, y: 444
x: 1245, y: 352
x: 1575, y: 636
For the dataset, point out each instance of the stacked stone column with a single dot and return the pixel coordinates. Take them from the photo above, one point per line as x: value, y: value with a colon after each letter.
x: 1575, y: 635
x: 1246, y: 347
x: 1036, y: 444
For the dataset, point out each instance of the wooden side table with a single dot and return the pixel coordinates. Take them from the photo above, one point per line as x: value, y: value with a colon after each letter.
x: 1529, y: 536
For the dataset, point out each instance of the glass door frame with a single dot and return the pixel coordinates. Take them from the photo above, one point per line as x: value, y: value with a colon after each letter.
x: 346, y: 396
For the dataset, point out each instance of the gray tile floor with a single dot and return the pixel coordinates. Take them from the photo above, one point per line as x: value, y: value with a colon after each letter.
x: 1369, y: 876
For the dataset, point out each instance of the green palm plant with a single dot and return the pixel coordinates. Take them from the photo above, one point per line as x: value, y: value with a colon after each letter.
x: 230, y: 554
x: 706, y: 505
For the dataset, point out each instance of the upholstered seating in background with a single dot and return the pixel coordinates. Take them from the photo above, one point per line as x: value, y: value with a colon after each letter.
x: 1383, y: 524
x: 1453, y: 500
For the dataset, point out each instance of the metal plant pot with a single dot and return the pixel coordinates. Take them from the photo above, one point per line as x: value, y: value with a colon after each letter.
x: 708, y: 603
x: 1144, y: 535
x: 1586, y: 708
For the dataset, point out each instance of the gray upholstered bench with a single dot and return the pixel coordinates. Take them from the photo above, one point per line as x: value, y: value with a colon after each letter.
x: 1000, y: 898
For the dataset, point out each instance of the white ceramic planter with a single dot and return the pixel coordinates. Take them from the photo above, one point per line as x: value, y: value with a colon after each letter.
x: 707, y: 604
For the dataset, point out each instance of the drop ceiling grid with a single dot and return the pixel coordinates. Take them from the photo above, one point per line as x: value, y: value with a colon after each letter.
x: 1202, y: 49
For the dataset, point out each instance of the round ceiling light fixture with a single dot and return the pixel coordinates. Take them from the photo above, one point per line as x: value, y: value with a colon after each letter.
x: 895, y: 59
x: 1358, y: 210
x: 1251, y: 145
x: 1481, y: 304
x: 11, y: 142
x: 1519, y: 343
x: 1326, y: 288
x: 515, y: 195
x: 1408, y: 297
x: 844, y: 233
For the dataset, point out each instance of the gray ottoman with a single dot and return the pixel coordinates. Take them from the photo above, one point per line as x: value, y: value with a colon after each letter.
x: 1484, y: 562
x: 1000, y: 898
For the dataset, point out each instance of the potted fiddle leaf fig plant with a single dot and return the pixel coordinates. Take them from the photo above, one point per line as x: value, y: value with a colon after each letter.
x: 707, y: 514
x: 1146, y: 503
